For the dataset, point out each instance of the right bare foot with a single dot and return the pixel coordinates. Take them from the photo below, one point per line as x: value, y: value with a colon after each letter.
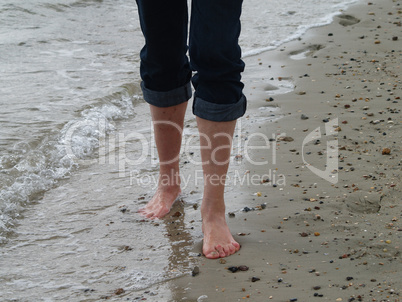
x: 218, y: 241
x: 161, y: 203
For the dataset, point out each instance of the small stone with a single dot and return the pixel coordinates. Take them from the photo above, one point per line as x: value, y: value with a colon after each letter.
x: 395, y: 38
x: 231, y: 214
x: 386, y: 151
x: 349, y: 278
x: 286, y: 139
x: 255, y: 279
x: 246, y: 209
x: 377, y: 42
x: 243, y: 268
x: 233, y: 269
x: 316, y: 234
x: 195, y: 271
x: 119, y: 291
x: 304, y: 117
x: 222, y: 261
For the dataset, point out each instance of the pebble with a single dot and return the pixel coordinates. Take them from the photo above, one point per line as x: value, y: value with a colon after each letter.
x: 233, y: 269
x: 255, y: 279
x: 242, y: 268
x: 304, y: 117
x: 195, y: 271
x: 247, y: 209
x: 386, y: 151
x: 119, y: 291
x: 286, y: 139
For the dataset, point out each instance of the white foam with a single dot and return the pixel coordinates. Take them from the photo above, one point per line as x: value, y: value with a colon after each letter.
x: 40, y: 168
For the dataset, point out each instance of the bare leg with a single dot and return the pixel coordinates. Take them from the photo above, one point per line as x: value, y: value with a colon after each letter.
x: 215, y: 141
x: 168, y: 127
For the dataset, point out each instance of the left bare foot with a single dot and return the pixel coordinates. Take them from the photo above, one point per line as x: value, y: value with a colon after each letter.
x: 218, y: 241
x: 160, y: 204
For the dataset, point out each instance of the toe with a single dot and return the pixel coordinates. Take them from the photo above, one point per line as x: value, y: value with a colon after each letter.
x: 212, y: 255
x: 230, y: 250
x: 221, y: 251
x: 236, y: 246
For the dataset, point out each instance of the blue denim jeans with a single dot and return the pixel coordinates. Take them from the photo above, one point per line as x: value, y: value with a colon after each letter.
x: 215, y: 56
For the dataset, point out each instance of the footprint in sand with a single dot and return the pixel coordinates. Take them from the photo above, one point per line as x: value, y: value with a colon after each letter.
x: 347, y: 20
x: 305, y: 52
x: 359, y: 203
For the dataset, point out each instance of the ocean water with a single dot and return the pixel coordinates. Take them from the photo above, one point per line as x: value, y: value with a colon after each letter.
x: 69, y: 82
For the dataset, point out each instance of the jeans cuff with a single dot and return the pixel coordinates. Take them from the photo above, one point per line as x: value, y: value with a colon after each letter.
x: 219, y: 112
x: 167, y: 98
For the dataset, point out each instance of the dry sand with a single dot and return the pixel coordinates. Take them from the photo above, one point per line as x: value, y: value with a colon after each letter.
x: 318, y: 240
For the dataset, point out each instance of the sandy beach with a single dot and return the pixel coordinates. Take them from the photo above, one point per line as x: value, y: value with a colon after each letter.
x: 313, y: 195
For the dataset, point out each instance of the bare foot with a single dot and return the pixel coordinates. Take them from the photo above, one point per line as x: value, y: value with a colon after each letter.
x: 218, y: 241
x: 160, y: 204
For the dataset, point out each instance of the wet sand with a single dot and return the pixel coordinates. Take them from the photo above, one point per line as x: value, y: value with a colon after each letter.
x: 333, y: 234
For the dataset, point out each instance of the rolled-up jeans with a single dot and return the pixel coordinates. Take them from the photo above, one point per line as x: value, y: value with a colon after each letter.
x: 215, y: 64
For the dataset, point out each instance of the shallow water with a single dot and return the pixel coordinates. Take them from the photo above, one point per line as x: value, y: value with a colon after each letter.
x: 76, y: 146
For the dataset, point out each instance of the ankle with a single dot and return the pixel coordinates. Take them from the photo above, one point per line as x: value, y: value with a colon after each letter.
x: 169, y: 179
x: 173, y: 189
x: 212, y: 213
